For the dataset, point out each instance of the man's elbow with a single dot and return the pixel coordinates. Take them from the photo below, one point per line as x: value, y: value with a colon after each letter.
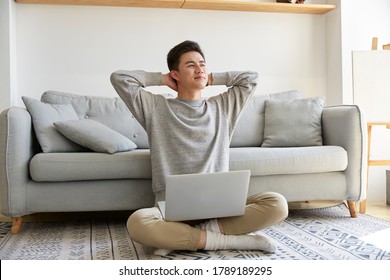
x: 114, y: 78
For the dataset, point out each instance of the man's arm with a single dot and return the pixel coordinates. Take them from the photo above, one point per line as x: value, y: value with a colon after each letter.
x: 241, y: 87
x: 240, y: 82
x: 168, y: 81
x: 130, y: 87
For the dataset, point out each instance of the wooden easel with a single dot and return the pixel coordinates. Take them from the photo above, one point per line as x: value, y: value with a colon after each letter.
x: 382, y: 162
x: 374, y: 44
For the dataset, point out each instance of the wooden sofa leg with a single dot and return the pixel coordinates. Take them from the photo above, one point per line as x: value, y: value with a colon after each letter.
x: 16, y: 225
x: 352, y: 208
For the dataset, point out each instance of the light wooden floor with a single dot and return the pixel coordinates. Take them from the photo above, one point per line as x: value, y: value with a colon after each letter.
x: 379, y: 210
x: 375, y: 209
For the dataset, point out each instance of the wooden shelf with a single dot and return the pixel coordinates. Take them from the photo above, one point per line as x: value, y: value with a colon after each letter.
x: 254, y: 6
x: 227, y: 5
x: 123, y: 3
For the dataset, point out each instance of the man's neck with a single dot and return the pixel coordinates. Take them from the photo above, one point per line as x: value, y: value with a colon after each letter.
x: 189, y: 95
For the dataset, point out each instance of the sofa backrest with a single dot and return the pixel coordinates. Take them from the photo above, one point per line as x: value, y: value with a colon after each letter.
x: 113, y: 112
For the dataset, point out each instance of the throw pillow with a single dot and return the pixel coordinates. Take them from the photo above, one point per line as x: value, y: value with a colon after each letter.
x: 293, y: 123
x: 95, y: 136
x: 43, y: 115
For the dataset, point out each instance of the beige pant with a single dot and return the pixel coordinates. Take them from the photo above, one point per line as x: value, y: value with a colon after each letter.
x: 147, y: 226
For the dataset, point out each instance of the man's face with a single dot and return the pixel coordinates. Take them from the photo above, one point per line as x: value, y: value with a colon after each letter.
x: 192, y: 72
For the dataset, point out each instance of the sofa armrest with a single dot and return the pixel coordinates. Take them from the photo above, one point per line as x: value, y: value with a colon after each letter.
x: 345, y: 126
x: 17, y: 146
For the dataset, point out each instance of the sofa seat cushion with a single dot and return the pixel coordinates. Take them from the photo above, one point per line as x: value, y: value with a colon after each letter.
x: 296, y: 160
x: 136, y: 164
x: 90, y: 166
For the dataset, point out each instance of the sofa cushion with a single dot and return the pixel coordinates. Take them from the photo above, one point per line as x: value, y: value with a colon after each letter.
x: 95, y: 136
x: 299, y: 160
x: 43, y: 115
x: 110, y: 111
x: 293, y: 123
x: 57, y: 167
x: 136, y: 164
x: 249, y: 131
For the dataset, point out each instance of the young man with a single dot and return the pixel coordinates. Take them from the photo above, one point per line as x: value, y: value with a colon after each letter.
x: 189, y: 134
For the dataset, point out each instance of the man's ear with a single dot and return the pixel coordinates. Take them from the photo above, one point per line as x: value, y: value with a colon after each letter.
x: 174, y: 75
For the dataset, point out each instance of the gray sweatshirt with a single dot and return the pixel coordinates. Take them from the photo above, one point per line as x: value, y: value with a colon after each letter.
x: 185, y: 136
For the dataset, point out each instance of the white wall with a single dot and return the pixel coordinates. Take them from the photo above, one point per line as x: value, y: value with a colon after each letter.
x: 362, y: 20
x: 351, y: 27
x: 334, y: 55
x: 7, y: 53
x: 74, y: 49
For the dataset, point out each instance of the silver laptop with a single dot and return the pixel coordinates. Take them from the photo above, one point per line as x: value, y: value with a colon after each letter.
x: 205, y: 196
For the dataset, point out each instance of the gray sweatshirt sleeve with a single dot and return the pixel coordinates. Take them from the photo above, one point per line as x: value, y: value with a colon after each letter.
x: 241, y: 87
x: 130, y: 87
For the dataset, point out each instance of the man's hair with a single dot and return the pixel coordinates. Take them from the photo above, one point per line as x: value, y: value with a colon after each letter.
x: 173, y: 57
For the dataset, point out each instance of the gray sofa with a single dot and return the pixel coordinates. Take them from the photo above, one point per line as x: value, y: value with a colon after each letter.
x: 33, y: 181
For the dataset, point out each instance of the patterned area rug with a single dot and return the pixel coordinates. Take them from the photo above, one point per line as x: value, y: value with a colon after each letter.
x: 315, y: 234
